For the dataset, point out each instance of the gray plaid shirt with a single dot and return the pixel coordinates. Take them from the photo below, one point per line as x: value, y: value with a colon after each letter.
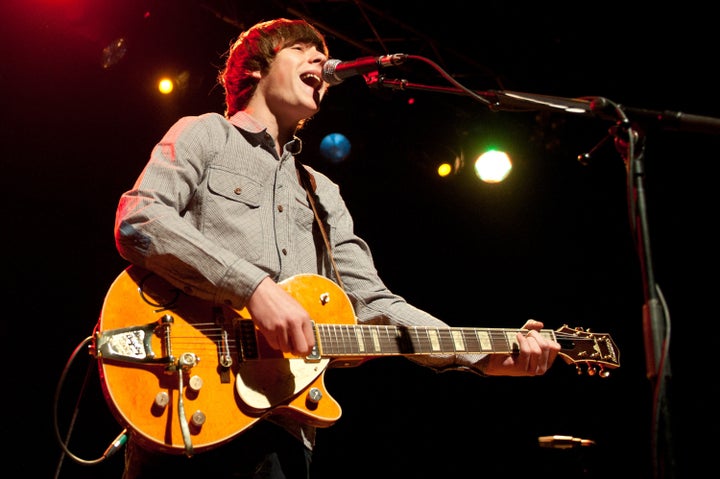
x: 215, y: 211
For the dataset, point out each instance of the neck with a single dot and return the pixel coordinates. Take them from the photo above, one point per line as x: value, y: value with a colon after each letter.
x: 280, y: 129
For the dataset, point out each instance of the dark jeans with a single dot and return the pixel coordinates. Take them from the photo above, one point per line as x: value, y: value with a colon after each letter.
x: 264, y: 451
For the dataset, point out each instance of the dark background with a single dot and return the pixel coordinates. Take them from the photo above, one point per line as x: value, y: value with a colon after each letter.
x: 552, y: 243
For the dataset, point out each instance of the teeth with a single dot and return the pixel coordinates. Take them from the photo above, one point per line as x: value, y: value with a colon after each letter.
x: 311, y: 79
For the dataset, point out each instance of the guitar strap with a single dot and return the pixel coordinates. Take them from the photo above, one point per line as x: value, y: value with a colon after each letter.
x: 307, y: 180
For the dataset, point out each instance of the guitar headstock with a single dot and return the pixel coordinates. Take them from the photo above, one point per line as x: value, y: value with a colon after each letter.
x: 596, y: 351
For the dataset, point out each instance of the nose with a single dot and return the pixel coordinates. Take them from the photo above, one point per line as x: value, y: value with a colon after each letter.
x: 316, y: 56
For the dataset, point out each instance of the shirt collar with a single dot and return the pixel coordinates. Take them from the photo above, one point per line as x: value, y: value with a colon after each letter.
x: 256, y: 130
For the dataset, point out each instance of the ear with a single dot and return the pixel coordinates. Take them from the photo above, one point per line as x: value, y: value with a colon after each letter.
x: 256, y: 74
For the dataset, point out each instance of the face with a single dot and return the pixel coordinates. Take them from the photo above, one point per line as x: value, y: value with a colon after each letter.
x: 293, y: 86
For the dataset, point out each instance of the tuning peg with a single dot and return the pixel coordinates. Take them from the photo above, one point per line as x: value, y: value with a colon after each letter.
x: 592, y: 371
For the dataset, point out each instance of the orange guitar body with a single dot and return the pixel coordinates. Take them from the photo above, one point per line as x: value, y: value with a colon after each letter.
x: 145, y: 396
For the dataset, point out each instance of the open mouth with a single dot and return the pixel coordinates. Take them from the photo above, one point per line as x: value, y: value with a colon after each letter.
x: 311, y: 79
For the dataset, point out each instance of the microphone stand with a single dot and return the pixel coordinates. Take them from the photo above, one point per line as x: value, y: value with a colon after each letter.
x: 656, y: 319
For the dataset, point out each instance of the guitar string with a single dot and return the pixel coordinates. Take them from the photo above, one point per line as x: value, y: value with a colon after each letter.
x: 392, y: 333
x: 348, y: 338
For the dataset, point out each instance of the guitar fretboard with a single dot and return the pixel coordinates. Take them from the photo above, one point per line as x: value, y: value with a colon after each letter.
x: 373, y: 340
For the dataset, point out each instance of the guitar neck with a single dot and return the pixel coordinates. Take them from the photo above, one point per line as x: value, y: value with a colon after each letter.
x: 343, y: 340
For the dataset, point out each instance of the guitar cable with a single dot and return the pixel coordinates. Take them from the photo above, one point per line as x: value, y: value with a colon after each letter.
x: 114, y: 446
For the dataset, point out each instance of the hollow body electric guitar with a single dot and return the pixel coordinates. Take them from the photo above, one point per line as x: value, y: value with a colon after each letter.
x: 185, y: 375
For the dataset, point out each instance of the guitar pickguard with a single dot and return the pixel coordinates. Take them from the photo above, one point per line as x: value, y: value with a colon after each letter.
x: 265, y: 384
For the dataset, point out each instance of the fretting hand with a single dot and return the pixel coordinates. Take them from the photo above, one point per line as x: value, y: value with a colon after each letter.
x: 536, y: 355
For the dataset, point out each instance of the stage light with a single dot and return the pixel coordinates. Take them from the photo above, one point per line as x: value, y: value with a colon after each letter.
x: 335, y: 147
x: 493, y: 166
x: 444, y: 169
x: 166, y: 86
x: 452, y: 164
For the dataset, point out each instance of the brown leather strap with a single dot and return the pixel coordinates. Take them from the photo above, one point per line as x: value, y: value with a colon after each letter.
x: 307, y: 180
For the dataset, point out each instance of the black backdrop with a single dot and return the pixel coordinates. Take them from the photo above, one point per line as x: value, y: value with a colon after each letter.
x: 552, y: 243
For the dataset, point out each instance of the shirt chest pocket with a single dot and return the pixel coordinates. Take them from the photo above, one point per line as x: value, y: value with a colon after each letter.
x: 236, y: 188
x: 233, y: 207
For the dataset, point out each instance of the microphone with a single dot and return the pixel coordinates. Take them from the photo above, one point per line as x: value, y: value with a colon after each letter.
x: 335, y: 71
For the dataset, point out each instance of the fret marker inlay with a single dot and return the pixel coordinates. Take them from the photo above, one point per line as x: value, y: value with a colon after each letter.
x: 458, y: 340
x: 360, y: 342
x: 434, y: 339
x: 484, y: 340
x: 375, y: 339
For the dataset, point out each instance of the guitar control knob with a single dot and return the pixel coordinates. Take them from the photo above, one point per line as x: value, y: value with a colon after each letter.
x: 198, y: 418
x: 195, y: 383
x: 162, y: 399
x: 314, y: 395
x: 188, y: 360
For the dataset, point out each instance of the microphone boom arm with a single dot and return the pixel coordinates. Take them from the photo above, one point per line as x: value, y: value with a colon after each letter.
x: 513, y: 101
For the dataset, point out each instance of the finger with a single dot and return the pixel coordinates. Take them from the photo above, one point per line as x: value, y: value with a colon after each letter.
x: 533, y: 325
x: 533, y: 355
x: 309, y: 332
x: 283, y: 341
x: 524, y: 359
x: 542, y: 364
x: 534, y: 352
x: 546, y: 352
x: 296, y: 341
x: 553, y: 351
x: 302, y: 338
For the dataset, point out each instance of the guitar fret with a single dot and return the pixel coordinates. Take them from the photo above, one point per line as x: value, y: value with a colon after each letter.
x: 385, y: 340
x: 484, y: 343
x: 448, y: 343
x: 510, y: 342
x: 426, y: 340
x: 359, y: 340
x: 336, y: 341
x: 339, y: 336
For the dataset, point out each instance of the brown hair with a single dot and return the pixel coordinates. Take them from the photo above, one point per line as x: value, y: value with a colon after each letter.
x: 254, y: 50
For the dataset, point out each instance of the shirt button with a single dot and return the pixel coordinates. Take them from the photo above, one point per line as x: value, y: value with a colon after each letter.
x: 237, y: 190
x: 284, y: 251
x: 280, y: 208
